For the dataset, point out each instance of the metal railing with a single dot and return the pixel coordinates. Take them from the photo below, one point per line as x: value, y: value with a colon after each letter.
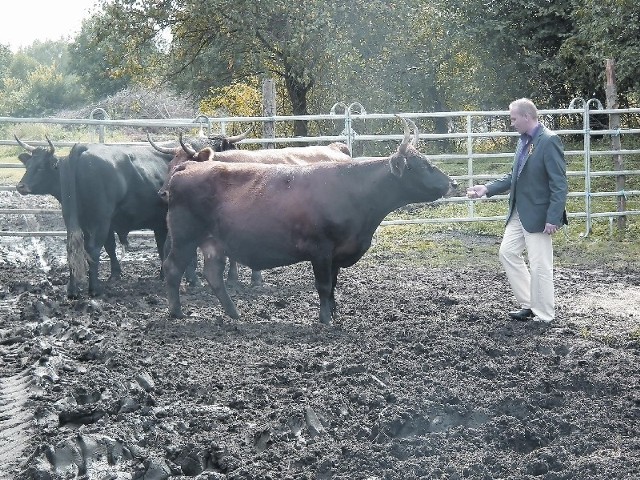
x: 467, y: 138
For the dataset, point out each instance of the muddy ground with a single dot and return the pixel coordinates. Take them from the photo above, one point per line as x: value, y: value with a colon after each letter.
x: 422, y: 375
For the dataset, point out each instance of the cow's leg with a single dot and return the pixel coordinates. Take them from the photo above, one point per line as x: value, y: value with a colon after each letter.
x: 173, y: 267
x: 110, y: 247
x: 332, y: 298
x: 163, y: 245
x: 256, y: 278
x: 324, y: 285
x: 213, y: 271
x: 73, y: 288
x: 190, y: 274
x: 232, y: 275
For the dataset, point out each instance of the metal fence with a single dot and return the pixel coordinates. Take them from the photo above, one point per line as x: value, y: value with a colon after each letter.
x: 476, y: 147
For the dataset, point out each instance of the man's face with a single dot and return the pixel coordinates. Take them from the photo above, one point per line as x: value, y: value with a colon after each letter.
x: 520, y: 122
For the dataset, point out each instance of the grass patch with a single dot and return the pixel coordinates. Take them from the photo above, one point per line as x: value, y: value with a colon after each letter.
x: 434, y: 245
x: 476, y: 243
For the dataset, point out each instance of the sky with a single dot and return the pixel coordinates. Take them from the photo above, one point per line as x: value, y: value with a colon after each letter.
x: 43, y: 20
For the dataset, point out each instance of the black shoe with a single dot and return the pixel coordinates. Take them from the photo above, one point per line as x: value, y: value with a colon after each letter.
x: 523, y: 314
x: 541, y: 323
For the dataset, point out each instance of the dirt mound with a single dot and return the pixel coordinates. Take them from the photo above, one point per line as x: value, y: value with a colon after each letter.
x: 422, y: 375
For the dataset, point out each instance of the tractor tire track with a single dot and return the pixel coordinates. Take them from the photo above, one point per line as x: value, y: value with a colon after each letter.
x: 15, y: 421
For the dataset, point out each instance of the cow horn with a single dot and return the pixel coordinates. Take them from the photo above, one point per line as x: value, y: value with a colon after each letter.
x: 167, y: 150
x: 27, y: 147
x: 242, y: 136
x: 52, y: 149
x: 187, y: 148
x: 407, y: 138
x: 416, y: 134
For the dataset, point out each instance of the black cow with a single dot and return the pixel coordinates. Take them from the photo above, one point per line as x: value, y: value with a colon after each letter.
x: 103, y: 189
x: 41, y: 177
x: 267, y: 216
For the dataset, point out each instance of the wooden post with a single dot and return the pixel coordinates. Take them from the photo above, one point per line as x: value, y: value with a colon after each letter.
x: 269, y: 110
x: 614, y: 124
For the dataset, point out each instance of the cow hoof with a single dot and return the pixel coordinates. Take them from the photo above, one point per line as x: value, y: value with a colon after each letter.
x: 176, y: 314
x: 233, y: 314
x: 73, y: 293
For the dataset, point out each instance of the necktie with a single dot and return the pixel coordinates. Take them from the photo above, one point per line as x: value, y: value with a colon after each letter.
x: 525, y: 141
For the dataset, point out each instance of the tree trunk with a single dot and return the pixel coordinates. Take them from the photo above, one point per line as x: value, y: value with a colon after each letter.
x: 297, y: 92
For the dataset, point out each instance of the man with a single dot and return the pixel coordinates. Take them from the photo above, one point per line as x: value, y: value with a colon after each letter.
x: 537, y: 187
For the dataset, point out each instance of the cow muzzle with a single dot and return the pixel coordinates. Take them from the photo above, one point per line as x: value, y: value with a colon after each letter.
x: 23, y: 189
x: 163, y: 193
x: 453, y: 188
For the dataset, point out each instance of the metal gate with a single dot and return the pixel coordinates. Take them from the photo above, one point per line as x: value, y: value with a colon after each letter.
x: 473, y: 140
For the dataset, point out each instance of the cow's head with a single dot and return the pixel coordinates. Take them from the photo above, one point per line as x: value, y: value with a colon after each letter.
x: 189, y: 148
x: 415, y: 170
x: 41, y: 176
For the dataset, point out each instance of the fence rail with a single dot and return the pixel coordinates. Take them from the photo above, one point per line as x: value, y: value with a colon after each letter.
x: 466, y: 148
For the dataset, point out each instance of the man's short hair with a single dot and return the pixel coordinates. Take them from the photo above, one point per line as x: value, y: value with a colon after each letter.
x: 524, y: 106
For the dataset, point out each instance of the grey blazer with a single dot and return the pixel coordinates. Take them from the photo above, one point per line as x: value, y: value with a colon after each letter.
x: 540, y: 192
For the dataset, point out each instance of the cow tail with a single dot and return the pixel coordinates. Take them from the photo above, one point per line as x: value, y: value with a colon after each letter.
x: 77, y: 257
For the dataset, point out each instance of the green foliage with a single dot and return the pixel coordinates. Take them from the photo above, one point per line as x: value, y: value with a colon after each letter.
x: 608, y: 29
x: 5, y: 60
x: 36, y: 81
x: 415, y: 55
x: 237, y: 100
x: 102, y: 59
x: 44, y: 91
x: 514, y: 45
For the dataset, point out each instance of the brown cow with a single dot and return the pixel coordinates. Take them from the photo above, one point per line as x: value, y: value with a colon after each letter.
x: 335, y: 152
x: 267, y: 216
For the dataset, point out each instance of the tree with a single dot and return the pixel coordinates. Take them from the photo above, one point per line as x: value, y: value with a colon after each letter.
x: 282, y: 38
x: 104, y: 60
x: 43, y: 92
x: 606, y: 29
x: 36, y: 82
x: 219, y: 42
x: 516, y: 45
x: 5, y: 61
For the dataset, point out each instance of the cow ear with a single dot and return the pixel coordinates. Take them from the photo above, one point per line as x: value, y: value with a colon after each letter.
x: 204, y: 155
x: 398, y: 164
x: 24, y: 157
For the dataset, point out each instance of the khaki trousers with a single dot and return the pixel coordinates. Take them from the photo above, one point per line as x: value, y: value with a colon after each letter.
x: 532, y: 285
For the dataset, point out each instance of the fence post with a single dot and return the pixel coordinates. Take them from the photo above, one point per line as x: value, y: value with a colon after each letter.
x: 587, y: 161
x: 348, y: 111
x: 587, y: 154
x: 269, y: 110
x: 471, y: 203
x: 104, y: 116
x: 616, y: 143
x: 200, y: 119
